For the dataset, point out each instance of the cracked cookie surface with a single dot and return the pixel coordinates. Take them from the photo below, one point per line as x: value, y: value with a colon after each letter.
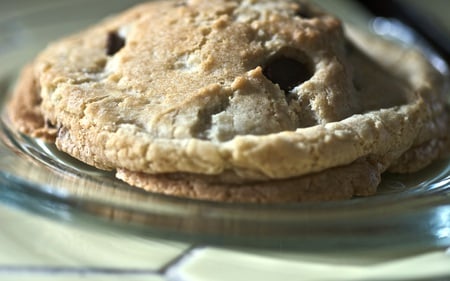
x: 271, y: 98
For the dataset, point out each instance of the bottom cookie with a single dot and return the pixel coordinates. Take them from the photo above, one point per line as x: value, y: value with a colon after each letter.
x: 359, y: 178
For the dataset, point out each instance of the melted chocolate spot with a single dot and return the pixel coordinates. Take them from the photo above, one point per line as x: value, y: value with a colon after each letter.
x: 288, y: 73
x: 114, y: 43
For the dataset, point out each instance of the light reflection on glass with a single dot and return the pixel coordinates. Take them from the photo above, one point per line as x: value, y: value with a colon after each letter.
x: 395, y: 29
x: 442, y: 223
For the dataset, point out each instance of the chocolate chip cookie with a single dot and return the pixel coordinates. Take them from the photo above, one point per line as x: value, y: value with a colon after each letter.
x: 236, y: 101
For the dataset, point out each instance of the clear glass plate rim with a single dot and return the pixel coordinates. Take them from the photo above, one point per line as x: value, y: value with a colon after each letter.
x: 405, y: 205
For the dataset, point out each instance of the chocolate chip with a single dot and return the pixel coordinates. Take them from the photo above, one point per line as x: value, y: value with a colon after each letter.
x: 288, y: 73
x: 114, y: 43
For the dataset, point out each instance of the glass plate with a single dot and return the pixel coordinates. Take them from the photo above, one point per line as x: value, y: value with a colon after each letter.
x: 409, y: 212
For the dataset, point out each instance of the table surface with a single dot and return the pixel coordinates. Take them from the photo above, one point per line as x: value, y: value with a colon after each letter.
x: 33, y: 247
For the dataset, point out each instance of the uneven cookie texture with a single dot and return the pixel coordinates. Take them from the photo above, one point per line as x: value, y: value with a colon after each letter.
x: 239, y: 101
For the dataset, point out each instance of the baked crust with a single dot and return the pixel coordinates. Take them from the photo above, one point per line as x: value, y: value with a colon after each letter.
x: 184, y: 96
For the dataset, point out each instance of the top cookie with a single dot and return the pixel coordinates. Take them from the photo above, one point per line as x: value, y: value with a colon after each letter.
x: 244, y: 91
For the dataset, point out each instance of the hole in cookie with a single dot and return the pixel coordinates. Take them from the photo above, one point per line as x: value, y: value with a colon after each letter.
x: 349, y: 48
x: 114, y: 43
x: 49, y: 124
x: 304, y: 12
x: 287, y: 72
x: 357, y: 85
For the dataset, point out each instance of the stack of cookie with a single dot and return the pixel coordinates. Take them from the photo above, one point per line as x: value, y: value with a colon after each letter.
x: 237, y: 101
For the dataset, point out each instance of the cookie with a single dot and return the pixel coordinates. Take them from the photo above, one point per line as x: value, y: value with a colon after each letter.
x: 236, y: 101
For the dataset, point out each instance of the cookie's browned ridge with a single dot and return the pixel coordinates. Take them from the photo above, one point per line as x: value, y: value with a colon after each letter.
x: 188, y: 100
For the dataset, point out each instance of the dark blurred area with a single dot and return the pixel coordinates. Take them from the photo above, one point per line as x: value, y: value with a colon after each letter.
x: 427, y: 25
